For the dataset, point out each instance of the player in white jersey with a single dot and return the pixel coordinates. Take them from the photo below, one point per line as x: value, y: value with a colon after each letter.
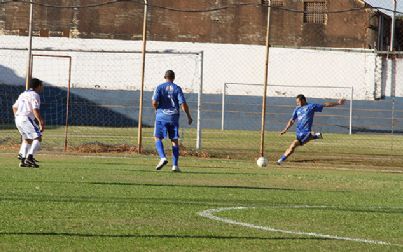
x: 26, y: 109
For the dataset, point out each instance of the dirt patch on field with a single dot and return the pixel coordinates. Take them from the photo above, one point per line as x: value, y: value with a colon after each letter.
x: 98, y: 147
x: 8, y: 143
x: 193, y: 153
x: 351, y: 161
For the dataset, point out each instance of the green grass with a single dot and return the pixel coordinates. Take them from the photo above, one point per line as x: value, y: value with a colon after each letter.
x: 78, y: 203
x: 367, y: 150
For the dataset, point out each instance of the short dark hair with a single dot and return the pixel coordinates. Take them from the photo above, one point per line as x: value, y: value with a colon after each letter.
x: 301, y: 97
x: 35, y: 83
x: 169, y: 74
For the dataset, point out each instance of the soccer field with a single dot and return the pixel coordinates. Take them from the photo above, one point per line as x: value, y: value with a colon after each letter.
x: 79, y: 203
x: 377, y: 151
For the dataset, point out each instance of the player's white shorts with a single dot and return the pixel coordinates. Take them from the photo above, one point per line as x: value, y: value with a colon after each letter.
x: 27, y: 127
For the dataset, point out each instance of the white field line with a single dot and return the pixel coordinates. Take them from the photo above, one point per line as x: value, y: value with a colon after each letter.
x: 210, y: 215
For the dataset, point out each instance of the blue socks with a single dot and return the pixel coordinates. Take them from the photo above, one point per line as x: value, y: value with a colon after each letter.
x: 175, y: 152
x: 175, y: 155
x: 283, y: 158
x: 160, y: 148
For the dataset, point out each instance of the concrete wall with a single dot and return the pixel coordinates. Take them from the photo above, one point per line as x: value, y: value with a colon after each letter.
x: 238, y: 25
x: 392, y: 77
x: 222, y: 64
x: 399, y: 78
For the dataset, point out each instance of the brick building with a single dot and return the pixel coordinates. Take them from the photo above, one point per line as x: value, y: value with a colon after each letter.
x: 311, y: 23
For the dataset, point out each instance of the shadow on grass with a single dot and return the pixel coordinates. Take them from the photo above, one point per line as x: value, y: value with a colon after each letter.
x: 161, y: 236
x: 128, y: 200
x: 183, y: 186
x: 173, y: 185
x: 152, y: 170
x: 196, y: 186
x: 193, y: 202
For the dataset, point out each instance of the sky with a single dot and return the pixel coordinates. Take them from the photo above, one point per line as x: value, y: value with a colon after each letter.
x: 386, y: 4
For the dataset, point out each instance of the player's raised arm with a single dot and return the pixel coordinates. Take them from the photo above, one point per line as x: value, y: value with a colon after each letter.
x: 334, y: 104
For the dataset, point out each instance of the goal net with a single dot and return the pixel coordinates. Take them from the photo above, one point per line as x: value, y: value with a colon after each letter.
x: 104, y: 96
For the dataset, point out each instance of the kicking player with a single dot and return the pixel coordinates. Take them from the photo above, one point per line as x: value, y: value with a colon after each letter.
x: 26, y: 110
x: 303, y: 114
x: 166, y: 101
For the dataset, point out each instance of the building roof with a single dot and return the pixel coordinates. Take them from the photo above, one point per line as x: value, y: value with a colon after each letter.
x: 388, y: 5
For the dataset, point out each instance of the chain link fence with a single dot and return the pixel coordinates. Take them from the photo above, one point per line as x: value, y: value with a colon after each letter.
x: 326, y: 50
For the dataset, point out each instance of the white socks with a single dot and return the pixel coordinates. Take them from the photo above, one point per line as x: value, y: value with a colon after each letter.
x: 34, y: 147
x: 24, y: 149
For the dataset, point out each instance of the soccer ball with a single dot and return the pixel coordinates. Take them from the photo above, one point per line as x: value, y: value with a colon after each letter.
x: 262, y: 162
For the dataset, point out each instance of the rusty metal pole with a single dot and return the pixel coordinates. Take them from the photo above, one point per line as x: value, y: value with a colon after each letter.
x: 266, y: 72
x: 140, y: 122
x: 66, y: 128
x: 393, y: 68
x: 392, y: 29
x: 28, y: 76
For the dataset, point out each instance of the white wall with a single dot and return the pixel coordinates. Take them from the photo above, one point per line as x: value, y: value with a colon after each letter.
x: 222, y: 63
x: 399, y: 78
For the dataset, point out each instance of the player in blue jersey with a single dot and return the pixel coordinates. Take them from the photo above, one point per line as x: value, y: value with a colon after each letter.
x: 303, y: 114
x: 167, y: 99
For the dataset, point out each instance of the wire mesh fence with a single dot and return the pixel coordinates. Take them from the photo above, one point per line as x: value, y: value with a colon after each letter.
x: 326, y: 50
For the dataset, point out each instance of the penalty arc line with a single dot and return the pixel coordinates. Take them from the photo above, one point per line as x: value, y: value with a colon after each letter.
x: 210, y: 215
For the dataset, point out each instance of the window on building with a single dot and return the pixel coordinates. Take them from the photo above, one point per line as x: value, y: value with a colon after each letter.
x: 315, y: 12
x: 273, y: 3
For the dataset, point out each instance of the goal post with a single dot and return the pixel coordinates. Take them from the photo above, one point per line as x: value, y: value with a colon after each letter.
x: 198, y: 86
x: 275, y: 91
x: 102, y: 90
x: 69, y: 59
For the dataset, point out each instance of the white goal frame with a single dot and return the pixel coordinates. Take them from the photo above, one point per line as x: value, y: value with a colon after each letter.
x: 66, y: 127
x: 199, y: 54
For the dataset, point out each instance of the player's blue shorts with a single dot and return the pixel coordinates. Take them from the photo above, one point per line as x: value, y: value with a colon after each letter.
x: 162, y: 129
x: 304, y: 137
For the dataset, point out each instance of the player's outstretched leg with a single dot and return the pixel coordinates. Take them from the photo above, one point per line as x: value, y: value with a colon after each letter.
x: 175, y: 156
x: 160, y: 149
x: 289, y: 151
x: 281, y: 159
x: 317, y: 135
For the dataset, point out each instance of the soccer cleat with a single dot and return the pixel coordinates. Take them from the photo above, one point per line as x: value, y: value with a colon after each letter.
x: 279, y: 162
x: 161, y: 164
x: 21, y: 158
x: 319, y: 135
x: 175, y: 168
x: 22, y: 163
x: 30, y: 162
